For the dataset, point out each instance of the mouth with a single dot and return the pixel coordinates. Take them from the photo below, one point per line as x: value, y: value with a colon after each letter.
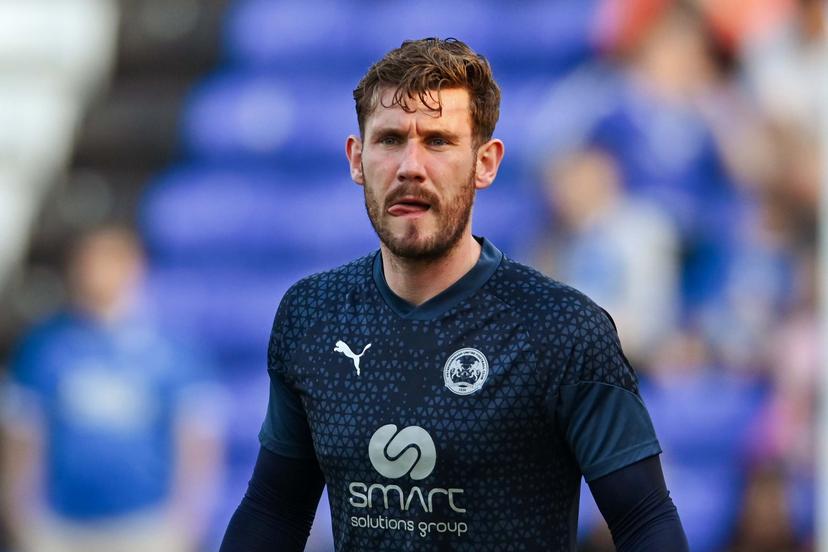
x: 409, y: 207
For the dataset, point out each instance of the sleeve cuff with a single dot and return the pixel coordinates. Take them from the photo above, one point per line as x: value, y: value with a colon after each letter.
x: 621, y: 459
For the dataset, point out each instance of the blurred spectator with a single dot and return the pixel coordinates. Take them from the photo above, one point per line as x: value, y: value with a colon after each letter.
x: 765, y: 522
x: 618, y: 249
x: 792, y: 352
x: 756, y: 288
x: 110, y: 433
x: 598, y: 539
x: 789, y: 434
x: 785, y: 65
x: 647, y: 102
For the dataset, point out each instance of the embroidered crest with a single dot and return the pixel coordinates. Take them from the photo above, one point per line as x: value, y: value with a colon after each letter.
x: 465, y: 371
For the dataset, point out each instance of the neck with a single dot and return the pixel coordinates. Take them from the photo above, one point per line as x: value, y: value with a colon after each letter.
x: 106, y: 312
x: 416, y: 281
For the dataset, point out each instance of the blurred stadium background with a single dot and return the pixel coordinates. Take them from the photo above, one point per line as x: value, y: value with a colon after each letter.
x: 662, y: 156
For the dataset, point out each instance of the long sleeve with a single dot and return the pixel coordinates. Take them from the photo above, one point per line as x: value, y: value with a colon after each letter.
x: 277, y: 510
x: 636, y: 504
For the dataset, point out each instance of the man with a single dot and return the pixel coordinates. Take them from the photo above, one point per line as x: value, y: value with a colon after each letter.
x: 450, y: 398
x: 110, y: 441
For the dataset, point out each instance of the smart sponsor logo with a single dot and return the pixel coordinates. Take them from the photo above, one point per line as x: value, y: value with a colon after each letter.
x: 395, y: 454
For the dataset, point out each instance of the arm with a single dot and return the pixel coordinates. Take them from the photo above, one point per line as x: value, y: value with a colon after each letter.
x: 609, y: 431
x: 277, y: 510
x: 636, y: 504
x: 21, y: 459
x: 198, y: 460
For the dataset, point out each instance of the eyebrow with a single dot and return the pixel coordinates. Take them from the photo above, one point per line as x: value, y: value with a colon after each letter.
x: 388, y: 130
x: 448, y: 135
x: 438, y: 133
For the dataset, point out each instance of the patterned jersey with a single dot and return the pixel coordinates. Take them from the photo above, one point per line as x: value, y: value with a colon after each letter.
x: 465, y: 423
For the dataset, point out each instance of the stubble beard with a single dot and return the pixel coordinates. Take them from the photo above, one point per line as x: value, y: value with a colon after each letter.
x: 452, y: 220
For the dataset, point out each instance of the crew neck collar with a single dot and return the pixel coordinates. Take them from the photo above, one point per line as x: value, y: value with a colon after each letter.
x: 465, y: 287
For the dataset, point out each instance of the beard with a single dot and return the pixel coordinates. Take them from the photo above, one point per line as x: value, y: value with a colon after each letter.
x: 453, y: 217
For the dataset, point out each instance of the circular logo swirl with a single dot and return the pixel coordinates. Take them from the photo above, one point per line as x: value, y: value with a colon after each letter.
x: 410, y: 451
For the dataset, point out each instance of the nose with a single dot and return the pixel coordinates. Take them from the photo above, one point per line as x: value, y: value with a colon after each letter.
x: 411, y: 166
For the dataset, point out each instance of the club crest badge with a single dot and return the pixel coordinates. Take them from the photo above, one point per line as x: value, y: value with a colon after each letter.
x: 465, y: 371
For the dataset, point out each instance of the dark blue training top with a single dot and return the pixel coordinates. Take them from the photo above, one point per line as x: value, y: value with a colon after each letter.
x: 465, y: 423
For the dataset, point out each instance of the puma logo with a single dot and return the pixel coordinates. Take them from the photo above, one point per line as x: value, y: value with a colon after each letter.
x: 342, y: 347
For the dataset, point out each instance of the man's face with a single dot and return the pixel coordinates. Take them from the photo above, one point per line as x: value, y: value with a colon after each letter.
x: 105, y: 269
x: 418, y: 173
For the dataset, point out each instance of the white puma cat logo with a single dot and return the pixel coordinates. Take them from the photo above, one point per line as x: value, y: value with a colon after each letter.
x: 342, y: 347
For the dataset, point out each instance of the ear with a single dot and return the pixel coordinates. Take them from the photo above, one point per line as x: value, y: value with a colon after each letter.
x: 489, y: 156
x: 353, y: 150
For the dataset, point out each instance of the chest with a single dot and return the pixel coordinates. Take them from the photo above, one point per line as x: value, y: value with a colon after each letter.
x: 467, y: 391
x: 113, y: 384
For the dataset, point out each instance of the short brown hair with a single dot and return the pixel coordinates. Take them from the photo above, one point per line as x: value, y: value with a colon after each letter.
x: 418, y: 68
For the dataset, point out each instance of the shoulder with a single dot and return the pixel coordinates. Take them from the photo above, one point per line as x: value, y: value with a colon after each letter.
x: 48, y: 331
x: 43, y: 340
x: 569, y: 327
x: 545, y: 302
x: 315, y: 298
x: 310, y: 300
x: 323, y: 290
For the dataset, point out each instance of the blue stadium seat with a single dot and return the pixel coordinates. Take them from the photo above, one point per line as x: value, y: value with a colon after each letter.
x: 722, y: 406
x: 382, y: 26
x: 540, y: 36
x: 704, y: 423
x: 240, y: 115
x: 508, y: 216
x: 228, y: 311
x: 248, y: 385
x: 216, y: 216
x: 237, y: 116
x: 520, y: 99
x: 349, y: 36
x: 273, y: 33
x: 343, y: 36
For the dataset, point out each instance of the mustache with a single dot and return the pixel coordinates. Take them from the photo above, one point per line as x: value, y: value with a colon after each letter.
x: 412, y: 192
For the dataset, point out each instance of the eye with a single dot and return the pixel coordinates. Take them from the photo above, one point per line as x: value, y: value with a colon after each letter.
x: 438, y: 141
x: 389, y: 140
